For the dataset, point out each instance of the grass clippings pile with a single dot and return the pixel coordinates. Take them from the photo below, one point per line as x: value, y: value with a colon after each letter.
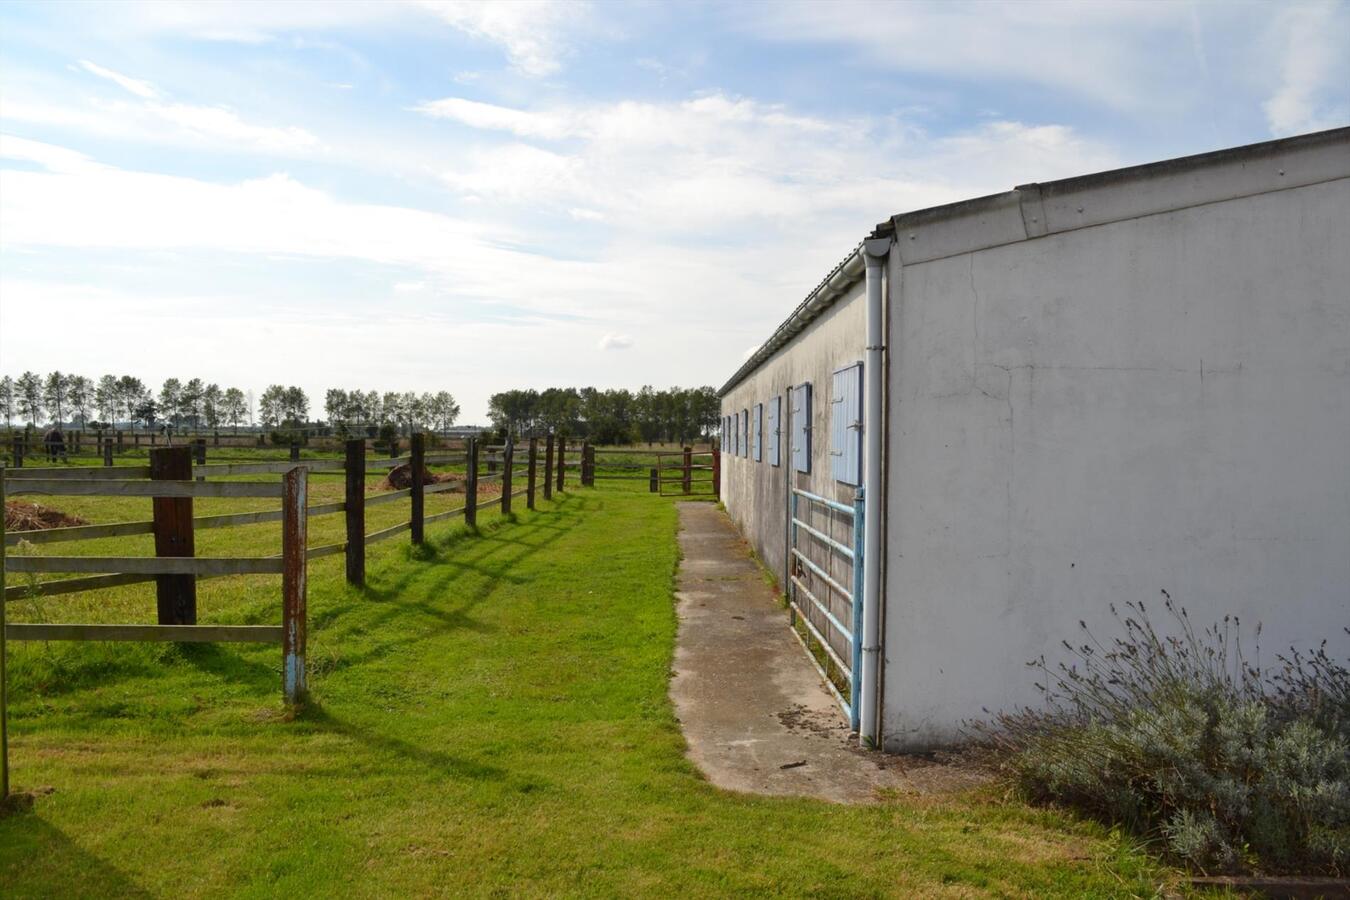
x: 1182, y: 739
x: 400, y: 478
x: 23, y: 515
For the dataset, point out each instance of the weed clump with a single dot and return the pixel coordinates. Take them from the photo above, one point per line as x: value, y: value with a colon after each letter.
x: 1183, y: 739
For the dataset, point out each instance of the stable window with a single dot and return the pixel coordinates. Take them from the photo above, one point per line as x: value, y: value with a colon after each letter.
x: 846, y: 425
x: 734, y: 420
x: 757, y: 435
x: 801, y: 427
x: 745, y: 433
x: 775, y: 415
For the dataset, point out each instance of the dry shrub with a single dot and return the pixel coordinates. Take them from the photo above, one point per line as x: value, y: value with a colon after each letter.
x: 1184, y: 740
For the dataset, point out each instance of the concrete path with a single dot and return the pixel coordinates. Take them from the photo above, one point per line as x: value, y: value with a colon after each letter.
x: 754, y: 712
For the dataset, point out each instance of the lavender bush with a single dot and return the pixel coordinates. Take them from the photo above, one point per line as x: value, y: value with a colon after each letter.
x: 1182, y: 737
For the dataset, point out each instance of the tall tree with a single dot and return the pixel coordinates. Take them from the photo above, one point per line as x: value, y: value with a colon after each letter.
x: 132, y: 395
x: 272, y: 406
x: 54, y: 396
x: 233, y: 407
x: 29, y: 387
x: 80, y: 393
x: 7, y: 400
x: 171, y: 400
x: 211, y: 405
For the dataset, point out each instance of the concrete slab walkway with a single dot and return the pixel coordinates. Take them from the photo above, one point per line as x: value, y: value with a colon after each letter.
x: 754, y: 712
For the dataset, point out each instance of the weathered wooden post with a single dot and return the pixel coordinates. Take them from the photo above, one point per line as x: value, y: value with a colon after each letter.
x: 18, y: 452
x: 176, y: 595
x: 393, y: 447
x: 508, y: 461
x: 417, y: 455
x: 216, y: 435
x: 585, y: 455
x: 120, y: 445
x: 355, y: 508
x: 295, y: 450
x: 654, y: 483
x: 548, y: 467
x: 717, y: 472
x: 294, y: 587
x: 108, y: 460
x: 531, y: 473
x: 688, y: 468
x: 135, y: 438
x: 562, y: 461
x: 199, y: 452
x: 471, y: 484
x: 152, y: 439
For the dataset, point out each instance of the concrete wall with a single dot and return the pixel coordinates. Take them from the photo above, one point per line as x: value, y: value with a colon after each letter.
x: 1090, y: 417
x: 755, y: 493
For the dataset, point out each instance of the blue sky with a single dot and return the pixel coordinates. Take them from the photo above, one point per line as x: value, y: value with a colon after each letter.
x: 472, y: 197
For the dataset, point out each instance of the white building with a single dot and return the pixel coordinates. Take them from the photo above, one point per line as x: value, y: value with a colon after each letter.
x: 1065, y: 396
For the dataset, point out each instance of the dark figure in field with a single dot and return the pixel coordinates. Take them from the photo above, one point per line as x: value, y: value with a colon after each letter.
x: 56, y: 444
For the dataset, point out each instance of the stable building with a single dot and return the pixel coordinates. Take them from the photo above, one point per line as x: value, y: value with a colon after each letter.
x: 997, y: 418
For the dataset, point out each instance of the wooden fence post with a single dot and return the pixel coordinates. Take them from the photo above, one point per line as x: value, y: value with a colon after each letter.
x: 532, y: 473
x: 152, y: 439
x: 688, y: 468
x: 355, y: 507
x: 294, y: 538
x: 199, y: 451
x: 508, y: 461
x: 717, y: 472
x: 135, y: 438
x: 108, y: 460
x: 120, y: 445
x: 654, y: 483
x: 295, y: 450
x: 585, y: 454
x: 471, y: 484
x: 562, y: 461
x: 176, y: 595
x: 548, y: 467
x: 18, y: 452
x: 393, y: 447
x: 417, y: 452
x: 217, y: 437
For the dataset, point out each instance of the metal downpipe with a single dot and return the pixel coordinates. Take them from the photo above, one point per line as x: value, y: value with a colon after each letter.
x: 874, y: 254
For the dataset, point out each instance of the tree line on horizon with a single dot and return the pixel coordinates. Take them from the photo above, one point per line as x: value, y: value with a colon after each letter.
x: 65, y: 399
x: 614, y: 416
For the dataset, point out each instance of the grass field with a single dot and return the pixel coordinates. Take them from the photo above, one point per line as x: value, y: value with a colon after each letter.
x: 489, y: 717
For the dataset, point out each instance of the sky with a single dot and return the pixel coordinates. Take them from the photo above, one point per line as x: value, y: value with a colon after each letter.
x: 475, y: 197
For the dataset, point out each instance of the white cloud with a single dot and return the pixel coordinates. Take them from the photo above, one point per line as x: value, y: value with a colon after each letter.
x: 490, y: 117
x: 611, y: 341
x: 1314, y: 69
x: 157, y: 119
x: 143, y: 89
x: 531, y: 31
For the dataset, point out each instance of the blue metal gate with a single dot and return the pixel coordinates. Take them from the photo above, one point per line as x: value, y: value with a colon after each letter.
x: 825, y: 590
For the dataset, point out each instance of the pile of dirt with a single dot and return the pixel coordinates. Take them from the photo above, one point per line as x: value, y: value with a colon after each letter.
x: 400, y: 478
x: 21, y: 515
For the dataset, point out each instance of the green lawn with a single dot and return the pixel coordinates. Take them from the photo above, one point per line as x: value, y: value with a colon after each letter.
x: 488, y: 717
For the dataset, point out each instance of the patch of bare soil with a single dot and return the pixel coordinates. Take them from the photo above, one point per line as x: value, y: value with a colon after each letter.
x: 23, y: 515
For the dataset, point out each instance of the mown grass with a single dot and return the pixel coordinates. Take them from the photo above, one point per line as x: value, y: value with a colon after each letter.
x: 489, y: 716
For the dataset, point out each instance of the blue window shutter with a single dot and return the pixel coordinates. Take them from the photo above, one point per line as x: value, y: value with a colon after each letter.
x: 736, y: 433
x: 846, y: 425
x: 745, y: 433
x: 757, y: 433
x: 775, y: 414
x: 801, y: 428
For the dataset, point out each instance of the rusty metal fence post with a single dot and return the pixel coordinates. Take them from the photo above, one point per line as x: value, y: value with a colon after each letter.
x: 548, y: 467
x: 417, y: 453
x: 355, y: 508
x: 471, y: 484
x: 175, y: 595
x: 531, y: 473
x: 294, y: 587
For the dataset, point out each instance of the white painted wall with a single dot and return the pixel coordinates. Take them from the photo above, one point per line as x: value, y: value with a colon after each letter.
x: 1090, y: 417
x: 755, y: 493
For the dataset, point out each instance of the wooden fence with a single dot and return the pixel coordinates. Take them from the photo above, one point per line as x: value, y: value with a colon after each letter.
x: 683, y: 472
x: 172, y: 480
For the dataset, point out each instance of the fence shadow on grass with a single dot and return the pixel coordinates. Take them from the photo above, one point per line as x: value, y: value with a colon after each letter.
x: 488, y: 556
x: 320, y: 719
x: 38, y: 852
